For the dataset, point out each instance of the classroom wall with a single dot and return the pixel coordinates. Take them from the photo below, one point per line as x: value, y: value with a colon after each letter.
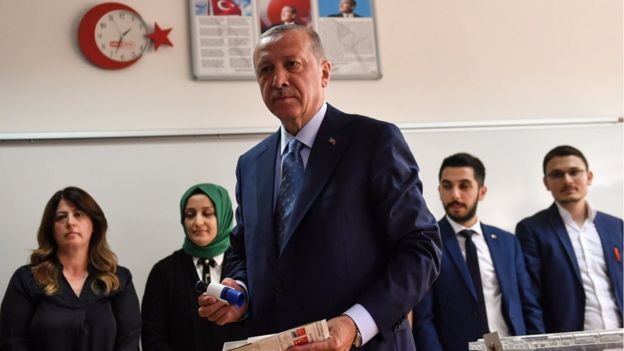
x: 447, y: 60
x: 443, y: 62
x: 139, y: 181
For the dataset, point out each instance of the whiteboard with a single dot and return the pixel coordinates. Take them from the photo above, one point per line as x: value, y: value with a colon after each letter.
x: 138, y: 181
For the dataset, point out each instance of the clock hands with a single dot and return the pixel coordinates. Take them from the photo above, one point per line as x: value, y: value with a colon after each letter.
x: 121, y: 39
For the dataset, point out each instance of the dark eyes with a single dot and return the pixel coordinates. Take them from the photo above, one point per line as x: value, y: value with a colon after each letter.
x: 264, y: 70
x: 290, y: 65
x: 192, y: 214
x: 294, y: 64
x: 61, y: 217
x: 558, y: 175
x: 462, y: 186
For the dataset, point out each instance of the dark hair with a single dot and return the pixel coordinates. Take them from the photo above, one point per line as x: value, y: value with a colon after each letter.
x: 292, y: 8
x: 102, y: 261
x: 463, y: 159
x: 562, y: 151
x: 315, y: 40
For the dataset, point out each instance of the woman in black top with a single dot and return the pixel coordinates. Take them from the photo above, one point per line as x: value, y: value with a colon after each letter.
x: 169, y: 307
x: 72, y: 296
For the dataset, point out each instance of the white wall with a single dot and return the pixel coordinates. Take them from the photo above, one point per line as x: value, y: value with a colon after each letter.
x: 443, y: 61
x: 446, y: 60
x: 138, y: 182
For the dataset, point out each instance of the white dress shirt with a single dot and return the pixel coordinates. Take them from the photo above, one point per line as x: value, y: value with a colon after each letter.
x: 215, y: 272
x: 491, y: 289
x: 600, y: 309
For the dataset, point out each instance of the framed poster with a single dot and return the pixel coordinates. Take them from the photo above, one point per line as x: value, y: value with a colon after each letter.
x: 225, y: 32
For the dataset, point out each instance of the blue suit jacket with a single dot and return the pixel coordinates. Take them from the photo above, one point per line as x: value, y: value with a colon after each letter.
x: 360, y: 232
x: 445, y: 318
x: 554, y: 269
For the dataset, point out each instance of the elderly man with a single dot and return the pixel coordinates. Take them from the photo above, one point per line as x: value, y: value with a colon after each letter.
x: 331, y: 222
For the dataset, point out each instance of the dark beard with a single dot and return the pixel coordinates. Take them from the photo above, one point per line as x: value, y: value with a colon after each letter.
x: 469, y: 215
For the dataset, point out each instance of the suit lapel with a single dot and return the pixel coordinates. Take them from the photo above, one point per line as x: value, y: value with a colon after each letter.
x: 451, y: 246
x: 555, y: 221
x: 608, y: 247
x: 264, y: 187
x: 330, y: 143
x: 500, y: 257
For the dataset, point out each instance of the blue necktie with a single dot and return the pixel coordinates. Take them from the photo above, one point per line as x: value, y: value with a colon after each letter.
x: 292, y: 177
x: 472, y: 261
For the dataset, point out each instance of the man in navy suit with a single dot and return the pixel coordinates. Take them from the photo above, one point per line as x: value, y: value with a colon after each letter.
x: 360, y: 247
x: 483, y: 284
x: 574, y: 252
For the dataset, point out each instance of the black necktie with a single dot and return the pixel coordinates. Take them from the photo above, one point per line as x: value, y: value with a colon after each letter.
x: 206, y: 263
x: 472, y: 261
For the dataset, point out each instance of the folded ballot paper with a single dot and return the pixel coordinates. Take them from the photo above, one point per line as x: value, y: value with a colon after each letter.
x: 302, y: 335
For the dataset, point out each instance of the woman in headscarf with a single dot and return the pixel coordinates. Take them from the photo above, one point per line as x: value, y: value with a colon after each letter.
x: 169, y: 307
x: 72, y: 296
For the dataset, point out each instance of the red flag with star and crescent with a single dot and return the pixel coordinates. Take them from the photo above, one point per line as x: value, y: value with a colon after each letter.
x: 225, y: 8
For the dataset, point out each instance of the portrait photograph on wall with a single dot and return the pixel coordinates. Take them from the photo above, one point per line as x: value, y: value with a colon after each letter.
x: 273, y: 13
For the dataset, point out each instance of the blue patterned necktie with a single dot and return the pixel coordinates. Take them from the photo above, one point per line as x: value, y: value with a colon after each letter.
x: 290, y: 184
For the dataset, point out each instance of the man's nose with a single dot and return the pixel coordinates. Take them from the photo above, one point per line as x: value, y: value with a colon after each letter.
x: 567, y: 177
x: 455, y: 193
x: 280, y: 79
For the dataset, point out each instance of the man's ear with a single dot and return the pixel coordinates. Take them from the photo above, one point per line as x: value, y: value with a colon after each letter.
x: 326, y: 73
x: 482, y: 192
x: 545, y: 180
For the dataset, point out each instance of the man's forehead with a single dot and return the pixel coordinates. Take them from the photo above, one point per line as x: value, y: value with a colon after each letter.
x: 266, y: 46
x: 564, y: 161
x: 457, y: 174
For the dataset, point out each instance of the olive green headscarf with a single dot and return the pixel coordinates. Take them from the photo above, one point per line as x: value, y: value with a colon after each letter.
x: 223, y: 209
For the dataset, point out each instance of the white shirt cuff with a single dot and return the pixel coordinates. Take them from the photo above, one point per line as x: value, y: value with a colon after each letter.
x: 364, y: 322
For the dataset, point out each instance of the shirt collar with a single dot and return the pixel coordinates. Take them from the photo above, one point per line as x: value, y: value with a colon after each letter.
x: 307, y: 134
x: 218, y: 258
x: 458, y: 227
x: 567, y: 217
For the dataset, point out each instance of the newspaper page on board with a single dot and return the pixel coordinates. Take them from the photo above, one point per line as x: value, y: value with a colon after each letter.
x: 302, y: 335
x: 223, y: 34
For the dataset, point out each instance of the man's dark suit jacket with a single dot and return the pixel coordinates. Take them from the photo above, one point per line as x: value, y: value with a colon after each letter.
x: 169, y: 310
x: 554, y: 269
x: 340, y: 15
x: 360, y: 232
x: 444, y: 319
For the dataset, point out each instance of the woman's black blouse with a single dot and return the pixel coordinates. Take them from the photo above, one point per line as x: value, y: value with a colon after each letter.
x: 30, y: 320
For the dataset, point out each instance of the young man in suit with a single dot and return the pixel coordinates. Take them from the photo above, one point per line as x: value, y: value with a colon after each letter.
x: 483, y: 285
x: 574, y: 252
x: 331, y: 222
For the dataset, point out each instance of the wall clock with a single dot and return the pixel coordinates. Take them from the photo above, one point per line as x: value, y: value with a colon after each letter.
x: 113, y: 35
